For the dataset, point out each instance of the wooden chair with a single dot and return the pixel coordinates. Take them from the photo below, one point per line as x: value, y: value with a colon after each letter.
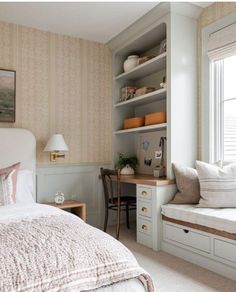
x: 113, y: 199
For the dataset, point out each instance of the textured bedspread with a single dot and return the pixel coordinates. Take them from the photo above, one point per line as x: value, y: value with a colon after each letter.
x: 46, y: 249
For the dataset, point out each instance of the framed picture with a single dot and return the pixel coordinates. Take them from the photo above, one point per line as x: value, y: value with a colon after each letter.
x: 7, y: 95
x: 162, y: 47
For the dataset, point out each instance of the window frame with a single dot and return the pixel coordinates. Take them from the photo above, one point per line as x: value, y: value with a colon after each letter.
x: 209, y: 136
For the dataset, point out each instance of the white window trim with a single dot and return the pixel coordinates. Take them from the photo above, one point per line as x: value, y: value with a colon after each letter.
x: 207, y: 132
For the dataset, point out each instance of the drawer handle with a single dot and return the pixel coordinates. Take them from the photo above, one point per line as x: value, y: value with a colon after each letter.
x: 144, y: 227
x: 144, y: 193
x: 186, y: 230
x: 144, y: 209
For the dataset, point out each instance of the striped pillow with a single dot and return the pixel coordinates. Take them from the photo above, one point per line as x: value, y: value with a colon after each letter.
x: 217, y: 185
x: 8, y: 179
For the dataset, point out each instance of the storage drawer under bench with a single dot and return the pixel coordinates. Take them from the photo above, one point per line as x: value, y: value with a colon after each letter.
x: 224, y: 250
x: 187, y: 237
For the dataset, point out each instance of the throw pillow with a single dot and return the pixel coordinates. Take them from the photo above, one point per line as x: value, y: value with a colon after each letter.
x: 187, y: 184
x: 217, y: 185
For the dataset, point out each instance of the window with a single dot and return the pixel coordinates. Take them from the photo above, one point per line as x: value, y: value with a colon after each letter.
x: 222, y: 92
x: 223, y: 95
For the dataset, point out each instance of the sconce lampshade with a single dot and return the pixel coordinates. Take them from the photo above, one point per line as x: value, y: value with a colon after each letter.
x: 56, y: 143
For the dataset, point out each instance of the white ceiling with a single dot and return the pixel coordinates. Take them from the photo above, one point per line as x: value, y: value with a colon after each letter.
x: 93, y: 21
x: 97, y: 21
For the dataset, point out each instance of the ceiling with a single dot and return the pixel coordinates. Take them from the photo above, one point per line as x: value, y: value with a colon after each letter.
x: 97, y: 21
x: 88, y: 20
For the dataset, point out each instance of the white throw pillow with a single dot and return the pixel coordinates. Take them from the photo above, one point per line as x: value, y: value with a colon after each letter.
x: 217, y: 185
x: 25, y: 187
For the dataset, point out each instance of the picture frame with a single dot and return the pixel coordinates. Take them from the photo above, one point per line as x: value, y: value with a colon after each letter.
x: 162, y: 47
x: 7, y: 96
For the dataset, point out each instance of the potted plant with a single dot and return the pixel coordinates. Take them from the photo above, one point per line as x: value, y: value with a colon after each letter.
x: 127, y: 164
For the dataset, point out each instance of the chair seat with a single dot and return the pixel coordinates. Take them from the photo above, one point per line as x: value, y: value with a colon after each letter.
x: 123, y: 200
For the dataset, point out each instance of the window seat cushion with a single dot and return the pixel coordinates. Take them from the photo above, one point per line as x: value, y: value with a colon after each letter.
x: 220, y: 219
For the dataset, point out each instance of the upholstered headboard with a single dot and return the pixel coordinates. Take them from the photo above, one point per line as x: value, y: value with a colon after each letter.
x: 18, y: 145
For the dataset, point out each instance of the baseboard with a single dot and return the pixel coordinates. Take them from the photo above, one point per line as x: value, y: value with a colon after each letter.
x: 200, y: 260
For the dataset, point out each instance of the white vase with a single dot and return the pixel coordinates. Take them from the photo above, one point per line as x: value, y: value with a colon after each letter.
x: 131, y: 62
x: 127, y: 170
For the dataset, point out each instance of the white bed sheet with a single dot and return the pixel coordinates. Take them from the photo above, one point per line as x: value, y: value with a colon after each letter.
x: 221, y: 219
x: 17, y: 212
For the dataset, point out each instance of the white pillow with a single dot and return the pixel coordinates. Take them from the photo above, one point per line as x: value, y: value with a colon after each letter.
x: 25, y: 187
x: 217, y: 185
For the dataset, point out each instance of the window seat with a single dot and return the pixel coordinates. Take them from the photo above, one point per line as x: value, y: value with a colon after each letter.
x: 221, y: 220
x: 203, y: 236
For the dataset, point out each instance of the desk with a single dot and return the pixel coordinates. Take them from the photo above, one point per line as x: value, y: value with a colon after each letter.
x: 151, y: 194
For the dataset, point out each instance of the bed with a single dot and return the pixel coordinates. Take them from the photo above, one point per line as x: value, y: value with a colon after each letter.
x: 43, y: 248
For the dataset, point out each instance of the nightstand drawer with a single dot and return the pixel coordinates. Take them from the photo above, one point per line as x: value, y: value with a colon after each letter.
x: 145, y: 208
x: 144, y: 226
x: 145, y: 193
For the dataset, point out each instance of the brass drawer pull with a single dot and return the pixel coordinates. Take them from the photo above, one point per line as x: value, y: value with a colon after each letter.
x: 144, y: 193
x: 144, y: 209
x: 144, y: 227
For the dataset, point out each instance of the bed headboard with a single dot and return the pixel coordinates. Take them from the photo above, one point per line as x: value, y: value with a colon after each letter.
x: 18, y: 145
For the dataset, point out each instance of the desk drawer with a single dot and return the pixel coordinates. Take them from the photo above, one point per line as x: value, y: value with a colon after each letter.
x: 144, y: 193
x: 145, y: 208
x: 187, y: 237
x: 144, y: 226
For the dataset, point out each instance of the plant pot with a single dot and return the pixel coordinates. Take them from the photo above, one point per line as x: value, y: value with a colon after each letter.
x: 127, y: 170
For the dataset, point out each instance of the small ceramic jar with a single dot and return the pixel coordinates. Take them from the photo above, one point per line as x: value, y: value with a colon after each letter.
x: 131, y: 62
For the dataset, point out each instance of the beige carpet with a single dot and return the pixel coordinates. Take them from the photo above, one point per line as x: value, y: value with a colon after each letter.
x: 171, y: 274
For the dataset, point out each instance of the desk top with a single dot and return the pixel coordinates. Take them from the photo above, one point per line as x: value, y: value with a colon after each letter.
x: 145, y: 179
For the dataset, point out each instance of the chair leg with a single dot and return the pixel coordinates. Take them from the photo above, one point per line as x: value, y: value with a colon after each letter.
x: 118, y: 224
x: 127, y: 216
x: 105, y: 220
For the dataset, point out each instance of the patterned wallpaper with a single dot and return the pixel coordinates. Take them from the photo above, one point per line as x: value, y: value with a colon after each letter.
x: 208, y: 16
x: 63, y: 86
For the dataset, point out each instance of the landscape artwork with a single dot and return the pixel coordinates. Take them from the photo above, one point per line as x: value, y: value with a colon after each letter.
x: 7, y: 95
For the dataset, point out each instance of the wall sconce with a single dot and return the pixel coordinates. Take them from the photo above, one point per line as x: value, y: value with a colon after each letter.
x: 56, y: 144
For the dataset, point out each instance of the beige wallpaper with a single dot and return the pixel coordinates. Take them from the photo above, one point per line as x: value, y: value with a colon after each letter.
x: 208, y: 16
x: 63, y: 86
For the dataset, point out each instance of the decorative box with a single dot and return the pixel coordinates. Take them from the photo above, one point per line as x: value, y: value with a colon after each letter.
x: 155, y: 118
x: 133, y: 122
x: 127, y: 93
x: 143, y: 90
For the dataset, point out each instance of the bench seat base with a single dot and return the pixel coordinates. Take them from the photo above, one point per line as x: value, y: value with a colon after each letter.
x: 207, y: 247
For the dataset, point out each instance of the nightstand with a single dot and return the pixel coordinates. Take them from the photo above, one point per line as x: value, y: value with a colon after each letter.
x: 78, y: 208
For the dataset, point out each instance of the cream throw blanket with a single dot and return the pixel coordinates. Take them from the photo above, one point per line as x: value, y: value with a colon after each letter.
x: 57, y: 251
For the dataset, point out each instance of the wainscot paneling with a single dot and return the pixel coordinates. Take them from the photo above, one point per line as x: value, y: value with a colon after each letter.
x: 77, y: 182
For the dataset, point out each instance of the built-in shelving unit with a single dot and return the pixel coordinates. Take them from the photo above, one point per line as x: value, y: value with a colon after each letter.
x: 142, y: 129
x: 178, y: 99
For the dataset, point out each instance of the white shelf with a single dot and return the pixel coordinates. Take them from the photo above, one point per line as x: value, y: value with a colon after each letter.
x: 154, y: 65
x: 143, y: 129
x: 146, y: 98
